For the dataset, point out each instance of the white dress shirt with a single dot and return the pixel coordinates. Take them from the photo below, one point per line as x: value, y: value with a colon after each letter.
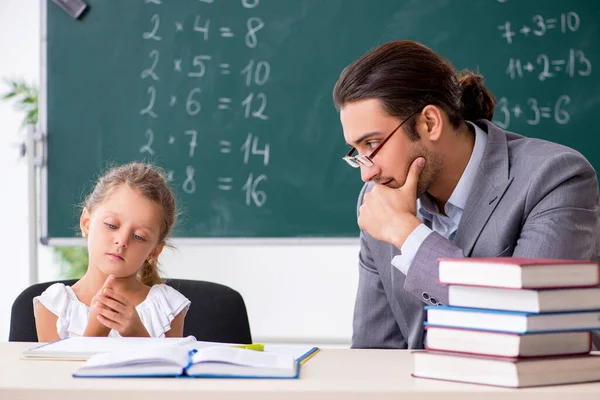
x: 445, y: 225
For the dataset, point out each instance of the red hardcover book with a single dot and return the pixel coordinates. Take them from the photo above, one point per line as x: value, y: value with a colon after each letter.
x: 526, y: 300
x: 513, y: 272
x: 506, y: 372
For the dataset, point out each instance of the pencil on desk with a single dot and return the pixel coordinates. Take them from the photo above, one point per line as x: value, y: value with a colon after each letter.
x: 255, y: 346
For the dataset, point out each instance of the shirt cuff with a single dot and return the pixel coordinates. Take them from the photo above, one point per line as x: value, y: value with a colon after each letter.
x: 410, y: 247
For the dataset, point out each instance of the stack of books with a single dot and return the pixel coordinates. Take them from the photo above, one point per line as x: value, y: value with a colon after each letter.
x: 513, y: 322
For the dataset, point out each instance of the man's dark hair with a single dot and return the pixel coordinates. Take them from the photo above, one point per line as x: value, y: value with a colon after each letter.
x: 407, y: 76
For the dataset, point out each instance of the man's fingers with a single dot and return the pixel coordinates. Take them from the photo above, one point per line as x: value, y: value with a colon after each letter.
x: 413, y: 173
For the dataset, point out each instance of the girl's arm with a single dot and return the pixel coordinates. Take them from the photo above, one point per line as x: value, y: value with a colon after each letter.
x: 176, y: 326
x: 45, y: 324
x: 95, y: 327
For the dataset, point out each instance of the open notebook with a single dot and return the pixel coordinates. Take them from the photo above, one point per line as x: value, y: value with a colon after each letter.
x: 82, y: 348
x: 140, y: 357
x: 206, y: 362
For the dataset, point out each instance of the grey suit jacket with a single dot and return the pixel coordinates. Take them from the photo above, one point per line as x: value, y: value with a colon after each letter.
x: 531, y: 198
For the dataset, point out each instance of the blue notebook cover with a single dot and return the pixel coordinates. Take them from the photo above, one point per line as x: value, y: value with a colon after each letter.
x: 510, y: 313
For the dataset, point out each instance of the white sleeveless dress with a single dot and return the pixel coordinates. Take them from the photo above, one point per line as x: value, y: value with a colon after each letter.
x: 156, y: 312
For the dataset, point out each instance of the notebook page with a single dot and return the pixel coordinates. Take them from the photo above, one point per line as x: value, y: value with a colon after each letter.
x: 84, y: 347
x: 232, y: 355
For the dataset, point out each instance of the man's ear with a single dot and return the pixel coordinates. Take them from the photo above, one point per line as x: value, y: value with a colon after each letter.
x: 432, y: 123
x: 157, y: 250
x: 84, y: 222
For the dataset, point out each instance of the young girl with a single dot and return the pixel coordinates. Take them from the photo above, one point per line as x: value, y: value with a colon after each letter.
x: 125, y: 219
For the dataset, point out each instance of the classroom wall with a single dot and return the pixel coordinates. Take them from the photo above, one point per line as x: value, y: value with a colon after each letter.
x: 19, y: 47
x: 294, y: 293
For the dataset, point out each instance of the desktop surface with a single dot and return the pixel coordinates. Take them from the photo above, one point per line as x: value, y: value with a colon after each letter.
x: 330, y: 374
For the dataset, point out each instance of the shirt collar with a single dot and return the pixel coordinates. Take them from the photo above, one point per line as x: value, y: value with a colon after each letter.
x: 461, y: 192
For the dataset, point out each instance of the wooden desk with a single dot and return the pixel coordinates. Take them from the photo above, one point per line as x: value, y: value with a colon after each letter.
x: 331, y: 374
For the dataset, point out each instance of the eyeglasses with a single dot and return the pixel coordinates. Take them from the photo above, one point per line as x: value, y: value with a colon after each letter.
x: 367, y: 160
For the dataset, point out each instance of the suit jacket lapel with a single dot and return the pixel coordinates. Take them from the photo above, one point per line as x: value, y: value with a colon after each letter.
x: 490, y: 185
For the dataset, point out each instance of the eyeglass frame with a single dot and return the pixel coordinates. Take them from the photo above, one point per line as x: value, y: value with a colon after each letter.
x: 367, y: 160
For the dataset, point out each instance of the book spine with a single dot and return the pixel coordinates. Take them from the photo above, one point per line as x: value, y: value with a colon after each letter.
x: 505, y: 356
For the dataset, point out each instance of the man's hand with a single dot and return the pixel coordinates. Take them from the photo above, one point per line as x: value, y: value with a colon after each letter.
x: 116, y: 312
x: 389, y: 215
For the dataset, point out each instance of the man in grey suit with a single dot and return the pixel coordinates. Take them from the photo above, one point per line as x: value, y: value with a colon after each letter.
x: 423, y: 132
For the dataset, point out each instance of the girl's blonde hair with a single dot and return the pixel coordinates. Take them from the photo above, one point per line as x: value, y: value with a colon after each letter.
x: 150, y: 181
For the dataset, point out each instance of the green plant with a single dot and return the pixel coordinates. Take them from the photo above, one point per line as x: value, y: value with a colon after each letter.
x: 73, y: 260
x: 26, y: 99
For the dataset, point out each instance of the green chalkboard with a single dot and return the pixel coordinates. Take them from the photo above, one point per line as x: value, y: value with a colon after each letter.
x: 233, y: 97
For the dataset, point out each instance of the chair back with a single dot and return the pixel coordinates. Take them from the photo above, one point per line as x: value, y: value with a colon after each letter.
x: 217, y: 313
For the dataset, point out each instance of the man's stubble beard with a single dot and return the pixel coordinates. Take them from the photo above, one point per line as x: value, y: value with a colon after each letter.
x: 431, y: 170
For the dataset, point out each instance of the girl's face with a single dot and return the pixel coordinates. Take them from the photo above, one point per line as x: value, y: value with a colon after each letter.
x: 122, y: 232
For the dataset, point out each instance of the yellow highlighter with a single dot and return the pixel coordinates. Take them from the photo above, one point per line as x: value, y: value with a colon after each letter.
x: 255, y: 346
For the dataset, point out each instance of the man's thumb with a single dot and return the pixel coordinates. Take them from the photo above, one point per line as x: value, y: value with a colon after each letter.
x: 414, y: 171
